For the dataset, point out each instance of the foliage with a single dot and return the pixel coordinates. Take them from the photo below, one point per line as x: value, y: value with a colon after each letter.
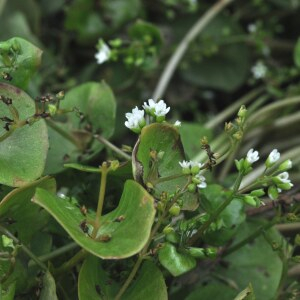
x: 98, y: 183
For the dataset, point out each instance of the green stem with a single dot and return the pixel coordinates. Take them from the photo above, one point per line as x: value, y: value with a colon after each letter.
x: 225, y: 114
x: 55, y: 253
x: 104, y: 172
x: 79, y: 256
x: 251, y: 237
x: 168, y: 178
x: 23, y: 247
x: 216, y: 213
x: 183, y: 46
x: 111, y: 146
x: 6, y: 135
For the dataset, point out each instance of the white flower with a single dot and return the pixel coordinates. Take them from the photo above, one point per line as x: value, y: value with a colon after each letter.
x: 201, y: 179
x: 284, y: 177
x: 185, y: 164
x: 135, y: 119
x: 252, y: 156
x: 103, y: 53
x: 161, y: 109
x: 150, y: 107
x: 177, y: 124
x: 195, y: 164
x: 252, y: 28
x: 259, y: 70
x: 274, y: 156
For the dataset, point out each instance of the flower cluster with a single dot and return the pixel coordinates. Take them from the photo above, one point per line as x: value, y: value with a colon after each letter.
x: 157, y: 110
x: 276, y: 181
x: 193, y: 168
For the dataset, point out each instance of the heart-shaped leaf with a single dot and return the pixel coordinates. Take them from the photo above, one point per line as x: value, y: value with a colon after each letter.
x: 69, y: 140
x: 23, y: 153
x: 19, y: 215
x: 164, y: 140
x: 20, y: 59
x: 128, y: 226
x: 175, y: 262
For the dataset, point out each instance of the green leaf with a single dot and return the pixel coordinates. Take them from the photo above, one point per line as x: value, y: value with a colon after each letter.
x: 142, y: 30
x: 150, y: 284
x: 165, y: 139
x: 92, y: 281
x: 227, y: 68
x: 49, y: 288
x: 83, y: 168
x: 246, y: 294
x: 177, y: 263
x: 297, y: 53
x: 89, y: 24
x: 127, y: 237
x: 256, y: 262
x: 210, y: 291
x: 69, y: 142
x: 21, y: 63
x: 191, y: 135
x: 9, y: 292
x: 23, y: 153
x: 20, y: 215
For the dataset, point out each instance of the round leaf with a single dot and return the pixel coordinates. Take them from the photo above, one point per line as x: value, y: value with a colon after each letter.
x: 69, y: 142
x: 127, y: 237
x: 23, y: 153
x: 18, y: 213
x: 24, y: 64
x: 165, y: 139
x: 175, y: 262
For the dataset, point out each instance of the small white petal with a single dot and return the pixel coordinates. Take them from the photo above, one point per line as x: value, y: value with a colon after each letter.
x: 284, y: 177
x: 177, y: 123
x: 184, y: 164
x: 274, y: 156
x: 103, y: 53
x: 252, y: 156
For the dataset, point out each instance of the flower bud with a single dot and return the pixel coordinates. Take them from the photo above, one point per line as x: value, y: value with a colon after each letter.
x: 257, y: 193
x: 242, y: 112
x: 192, y: 188
x: 197, y: 252
x: 168, y: 229
x: 250, y: 200
x: 286, y: 165
x: 174, y: 210
x: 272, y: 192
x: 211, y: 252
x: 285, y: 186
x: 52, y: 109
